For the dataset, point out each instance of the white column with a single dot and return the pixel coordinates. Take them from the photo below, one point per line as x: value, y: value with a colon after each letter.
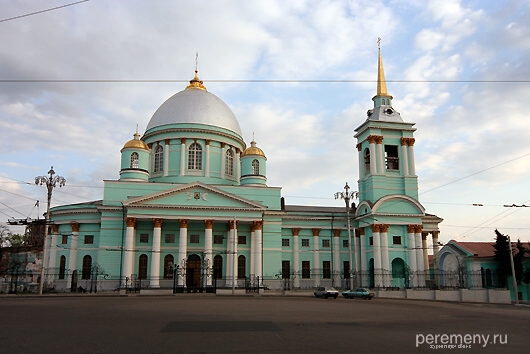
x: 425, y: 251
x: 223, y: 159
x: 52, y: 258
x: 296, y: 258
x: 72, y: 259
x: 128, y: 254
x: 208, y: 245
x: 435, y: 244
x: 259, y: 245
x: 356, y: 247
x: 182, y: 156
x: 376, y: 237
x: 361, y: 162
x: 237, y: 165
x: 166, y: 157
x: 373, y: 155
x: 412, y: 163
x: 234, y: 255
x: 404, y: 157
x: 385, y: 261
x: 207, y: 167
x: 336, y: 258
x: 419, y: 256
x: 317, y: 267
x: 229, y: 255
x: 380, y: 155
x: 411, y: 244
x: 362, y: 258
x: 252, y: 251
x: 154, y: 278
x: 183, y: 249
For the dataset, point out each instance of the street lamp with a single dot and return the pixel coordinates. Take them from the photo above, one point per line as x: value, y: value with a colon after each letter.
x: 347, y: 196
x: 51, y: 182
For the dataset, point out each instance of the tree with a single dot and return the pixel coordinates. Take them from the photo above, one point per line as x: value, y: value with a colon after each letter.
x: 518, y: 262
x: 502, y: 257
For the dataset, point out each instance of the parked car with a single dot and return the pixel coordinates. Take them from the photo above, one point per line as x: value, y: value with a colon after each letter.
x: 326, y: 292
x: 358, y: 292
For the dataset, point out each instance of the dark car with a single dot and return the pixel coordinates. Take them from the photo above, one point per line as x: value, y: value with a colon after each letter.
x: 358, y: 292
x: 326, y: 292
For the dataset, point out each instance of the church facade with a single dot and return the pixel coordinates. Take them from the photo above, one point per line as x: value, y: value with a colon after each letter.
x: 192, y: 210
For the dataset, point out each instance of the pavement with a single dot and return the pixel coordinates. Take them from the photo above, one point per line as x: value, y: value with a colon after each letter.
x: 205, y: 323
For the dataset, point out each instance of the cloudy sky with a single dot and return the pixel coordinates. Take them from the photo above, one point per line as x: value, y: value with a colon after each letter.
x: 75, y: 82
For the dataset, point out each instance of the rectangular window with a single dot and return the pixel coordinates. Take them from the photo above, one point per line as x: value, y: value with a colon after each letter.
x: 218, y: 239
x: 64, y: 239
x: 305, y: 242
x: 396, y: 240
x: 325, y: 243
x: 346, y: 266
x: 241, y: 240
x: 89, y: 239
x: 371, y: 241
x: 306, y: 269
x: 170, y: 238
x: 194, y: 238
x: 286, y: 269
x: 391, y: 157
x: 144, y: 238
x: 345, y: 243
x: 326, y: 269
x: 285, y: 242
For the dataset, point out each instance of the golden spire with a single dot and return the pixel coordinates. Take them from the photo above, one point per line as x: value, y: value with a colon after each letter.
x: 196, y: 83
x: 381, y: 82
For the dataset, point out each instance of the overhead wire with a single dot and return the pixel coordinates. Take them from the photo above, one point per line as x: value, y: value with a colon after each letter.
x: 42, y: 11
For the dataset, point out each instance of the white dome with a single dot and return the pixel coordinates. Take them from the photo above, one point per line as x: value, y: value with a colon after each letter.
x: 196, y: 106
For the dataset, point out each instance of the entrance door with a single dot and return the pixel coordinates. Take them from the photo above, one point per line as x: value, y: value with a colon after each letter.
x: 193, y: 272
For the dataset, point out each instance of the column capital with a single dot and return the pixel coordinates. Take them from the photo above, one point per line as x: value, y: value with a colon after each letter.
x: 150, y: 145
x: 208, y: 141
x: 75, y: 226
x: 410, y: 141
x: 232, y: 225
x: 258, y: 224
x: 418, y: 228
x: 131, y: 222
x: 336, y: 232
x: 384, y: 227
x: 435, y: 234
x: 376, y: 227
x: 296, y: 231
x: 359, y: 232
x: 209, y: 223
x: 223, y: 144
x: 411, y: 228
x: 378, y: 139
x: 55, y: 228
x: 157, y: 222
x: 316, y: 231
x: 183, y: 140
x: 184, y: 223
x: 371, y: 139
x: 358, y: 146
x: 424, y: 235
x: 166, y: 141
x: 404, y: 141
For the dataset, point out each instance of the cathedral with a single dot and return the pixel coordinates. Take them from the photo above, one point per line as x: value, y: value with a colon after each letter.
x: 192, y: 211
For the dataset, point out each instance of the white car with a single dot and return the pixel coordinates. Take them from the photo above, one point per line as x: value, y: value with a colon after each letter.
x: 326, y: 292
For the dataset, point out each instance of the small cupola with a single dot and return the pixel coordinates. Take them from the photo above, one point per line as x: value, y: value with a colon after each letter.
x: 253, y: 166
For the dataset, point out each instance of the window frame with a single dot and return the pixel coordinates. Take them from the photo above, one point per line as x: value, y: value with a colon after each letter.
x: 158, y: 159
x: 195, y: 156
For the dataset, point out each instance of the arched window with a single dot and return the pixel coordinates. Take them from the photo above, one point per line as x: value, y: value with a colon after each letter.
x: 218, y: 267
x: 366, y: 160
x: 241, y: 267
x: 229, y: 165
x: 62, y: 267
x: 159, y: 152
x: 195, y: 157
x: 255, y: 167
x: 134, y: 160
x: 168, y: 266
x: 87, y: 267
x: 142, y: 267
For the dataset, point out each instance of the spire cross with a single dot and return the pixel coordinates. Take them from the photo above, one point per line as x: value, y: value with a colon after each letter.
x: 379, y: 42
x: 196, y: 61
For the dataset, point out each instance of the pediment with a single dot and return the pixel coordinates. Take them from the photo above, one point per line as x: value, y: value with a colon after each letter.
x: 195, y: 195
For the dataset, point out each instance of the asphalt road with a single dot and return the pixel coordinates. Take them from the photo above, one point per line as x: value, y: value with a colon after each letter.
x: 212, y: 324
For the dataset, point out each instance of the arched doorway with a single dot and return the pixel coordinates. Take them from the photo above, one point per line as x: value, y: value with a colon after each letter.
x: 193, y: 272
x: 399, y: 274
x: 371, y: 279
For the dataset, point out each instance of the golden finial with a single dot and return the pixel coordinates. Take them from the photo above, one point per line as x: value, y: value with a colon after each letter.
x: 196, y: 83
x: 381, y: 82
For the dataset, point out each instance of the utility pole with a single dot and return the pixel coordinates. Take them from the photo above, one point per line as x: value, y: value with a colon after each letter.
x: 347, y: 196
x: 515, y: 290
x: 51, y: 182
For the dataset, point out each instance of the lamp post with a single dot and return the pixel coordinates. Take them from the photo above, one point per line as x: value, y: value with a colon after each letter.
x: 51, y: 182
x: 347, y: 196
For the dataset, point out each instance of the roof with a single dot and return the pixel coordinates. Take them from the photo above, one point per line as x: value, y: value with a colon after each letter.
x: 484, y: 249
